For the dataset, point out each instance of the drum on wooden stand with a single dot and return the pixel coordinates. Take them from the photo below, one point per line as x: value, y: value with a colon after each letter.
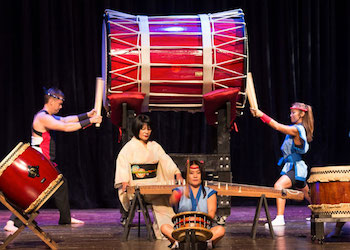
x: 28, y: 178
x: 330, y: 191
x: 198, y: 222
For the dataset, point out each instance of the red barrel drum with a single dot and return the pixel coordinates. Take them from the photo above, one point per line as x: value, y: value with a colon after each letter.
x: 174, y: 60
x: 330, y: 191
x: 28, y: 178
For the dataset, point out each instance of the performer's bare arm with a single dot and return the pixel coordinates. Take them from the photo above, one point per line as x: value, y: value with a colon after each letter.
x: 173, y: 200
x: 289, y: 130
x: 212, y: 204
x: 74, y: 118
x: 47, y: 122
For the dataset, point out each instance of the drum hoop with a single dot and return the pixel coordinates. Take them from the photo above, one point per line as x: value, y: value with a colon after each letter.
x: 335, y: 210
x: 12, y: 156
x: 176, y: 233
x: 191, y: 213
x: 45, y: 195
x: 331, y: 173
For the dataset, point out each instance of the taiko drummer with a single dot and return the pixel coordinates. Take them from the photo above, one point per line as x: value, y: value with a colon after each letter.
x: 44, y: 124
x: 195, y: 197
x: 296, y: 143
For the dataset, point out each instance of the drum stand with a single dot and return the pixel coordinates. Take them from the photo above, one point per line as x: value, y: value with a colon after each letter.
x: 28, y: 221
x: 317, y: 225
x: 190, y: 242
x: 262, y: 201
x: 138, y: 201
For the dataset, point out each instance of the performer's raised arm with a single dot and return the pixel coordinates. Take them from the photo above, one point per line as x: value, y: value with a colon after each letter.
x: 80, y: 117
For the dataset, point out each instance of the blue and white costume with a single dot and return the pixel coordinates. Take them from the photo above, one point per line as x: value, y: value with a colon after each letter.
x: 292, y: 154
x: 198, y: 203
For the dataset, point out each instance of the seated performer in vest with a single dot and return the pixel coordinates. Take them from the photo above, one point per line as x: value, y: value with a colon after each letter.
x: 144, y: 162
x: 194, y: 197
x: 44, y: 124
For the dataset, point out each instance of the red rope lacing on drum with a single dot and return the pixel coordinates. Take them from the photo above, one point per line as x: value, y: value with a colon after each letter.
x: 120, y: 134
x: 234, y: 126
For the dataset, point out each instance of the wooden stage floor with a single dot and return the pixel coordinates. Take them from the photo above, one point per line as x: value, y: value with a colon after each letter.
x: 103, y: 231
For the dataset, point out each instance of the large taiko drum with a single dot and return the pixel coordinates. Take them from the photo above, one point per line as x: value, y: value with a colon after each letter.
x: 28, y: 178
x: 199, y: 222
x: 330, y: 191
x: 174, y: 60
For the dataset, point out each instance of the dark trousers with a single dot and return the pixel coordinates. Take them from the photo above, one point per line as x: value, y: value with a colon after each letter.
x: 61, y: 199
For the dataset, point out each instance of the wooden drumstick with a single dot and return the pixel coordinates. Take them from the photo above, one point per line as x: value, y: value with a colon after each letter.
x: 98, y: 97
x: 251, y: 92
x: 187, y: 188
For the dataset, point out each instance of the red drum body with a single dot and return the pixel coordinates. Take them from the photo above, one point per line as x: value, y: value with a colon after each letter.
x: 174, y: 60
x: 196, y: 221
x: 330, y: 190
x: 28, y: 178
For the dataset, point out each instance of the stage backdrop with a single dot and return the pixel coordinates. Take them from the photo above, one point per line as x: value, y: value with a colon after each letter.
x: 298, y: 51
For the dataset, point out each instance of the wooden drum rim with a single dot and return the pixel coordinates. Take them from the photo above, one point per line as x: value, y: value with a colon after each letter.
x: 12, y: 156
x: 198, y: 230
x: 191, y: 213
x: 330, y: 173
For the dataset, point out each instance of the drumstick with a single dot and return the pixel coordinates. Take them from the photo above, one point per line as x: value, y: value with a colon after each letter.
x: 251, y: 92
x: 187, y: 188
x: 98, y: 97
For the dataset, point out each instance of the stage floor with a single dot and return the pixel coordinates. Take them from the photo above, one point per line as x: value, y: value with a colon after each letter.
x: 103, y: 231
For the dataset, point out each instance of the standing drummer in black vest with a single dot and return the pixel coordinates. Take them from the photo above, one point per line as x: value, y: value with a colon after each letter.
x: 45, y: 122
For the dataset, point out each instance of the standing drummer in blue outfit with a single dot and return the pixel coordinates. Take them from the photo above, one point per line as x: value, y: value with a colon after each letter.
x: 296, y: 143
x: 194, y: 197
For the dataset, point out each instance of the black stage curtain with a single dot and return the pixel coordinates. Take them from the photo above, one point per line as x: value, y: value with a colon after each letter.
x: 298, y: 51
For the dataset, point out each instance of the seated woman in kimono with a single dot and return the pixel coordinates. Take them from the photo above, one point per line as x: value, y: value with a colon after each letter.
x: 144, y: 162
x: 205, y: 201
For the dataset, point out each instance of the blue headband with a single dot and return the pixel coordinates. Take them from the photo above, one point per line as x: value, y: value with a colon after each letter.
x: 55, y: 96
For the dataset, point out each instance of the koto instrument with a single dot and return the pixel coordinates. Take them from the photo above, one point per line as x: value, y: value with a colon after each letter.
x: 226, y: 189
x: 330, y: 191
x: 28, y: 178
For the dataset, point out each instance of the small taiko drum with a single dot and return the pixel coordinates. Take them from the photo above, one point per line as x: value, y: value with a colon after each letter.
x: 28, y: 178
x: 330, y: 191
x: 196, y: 221
x: 174, y: 60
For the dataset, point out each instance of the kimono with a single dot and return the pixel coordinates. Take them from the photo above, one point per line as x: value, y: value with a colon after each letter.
x: 138, y: 164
